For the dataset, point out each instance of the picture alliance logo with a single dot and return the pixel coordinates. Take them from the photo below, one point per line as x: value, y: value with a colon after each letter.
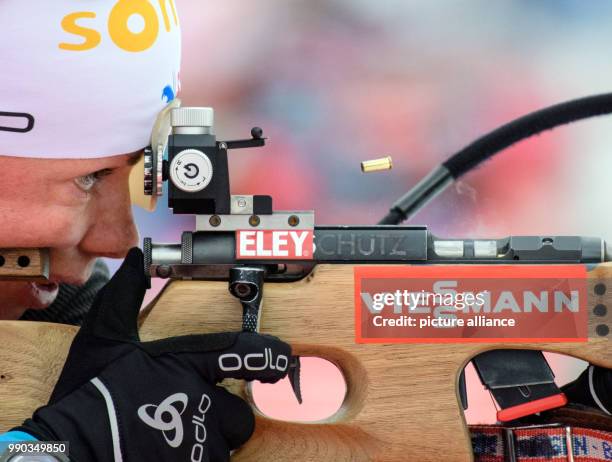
x: 167, y: 417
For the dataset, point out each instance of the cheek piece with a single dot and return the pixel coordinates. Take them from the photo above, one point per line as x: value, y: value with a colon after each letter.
x: 120, y: 399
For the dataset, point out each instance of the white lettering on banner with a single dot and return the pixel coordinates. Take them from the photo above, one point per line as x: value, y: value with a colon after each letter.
x: 425, y: 302
x: 277, y: 241
x: 298, y: 240
x: 268, y: 244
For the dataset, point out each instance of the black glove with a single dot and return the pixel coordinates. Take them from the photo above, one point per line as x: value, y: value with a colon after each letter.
x: 119, y: 399
x: 592, y: 388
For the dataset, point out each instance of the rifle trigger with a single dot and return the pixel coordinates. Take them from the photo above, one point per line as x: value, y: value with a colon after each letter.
x: 294, y: 377
x: 246, y: 284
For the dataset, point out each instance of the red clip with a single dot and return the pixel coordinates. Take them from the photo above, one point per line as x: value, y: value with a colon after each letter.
x: 531, y: 407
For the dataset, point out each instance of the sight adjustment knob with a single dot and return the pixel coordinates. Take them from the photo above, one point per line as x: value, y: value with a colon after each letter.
x: 193, y: 120
x: 191, y: 170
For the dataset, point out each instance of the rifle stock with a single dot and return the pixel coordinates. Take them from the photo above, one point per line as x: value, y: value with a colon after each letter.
x: 402, y: 401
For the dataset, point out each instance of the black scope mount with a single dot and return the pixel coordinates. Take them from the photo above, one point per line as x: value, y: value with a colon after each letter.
x: 196, y: 167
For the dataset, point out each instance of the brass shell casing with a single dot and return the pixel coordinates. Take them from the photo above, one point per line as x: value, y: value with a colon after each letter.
x: 377, y: 165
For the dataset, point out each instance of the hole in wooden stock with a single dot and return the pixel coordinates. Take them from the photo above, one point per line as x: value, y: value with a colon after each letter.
x: 323, y: 391
x: 23, y: 261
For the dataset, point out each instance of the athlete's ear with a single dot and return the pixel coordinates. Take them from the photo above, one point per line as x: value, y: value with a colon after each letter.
x: 114, y: 313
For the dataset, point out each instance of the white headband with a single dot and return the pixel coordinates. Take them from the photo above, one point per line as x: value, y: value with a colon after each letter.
x: 85, y: 79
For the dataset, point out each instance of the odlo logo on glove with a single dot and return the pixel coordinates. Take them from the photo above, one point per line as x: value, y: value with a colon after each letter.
x: 172, y: 428
x: 173, y: 381
x: 253, y: 362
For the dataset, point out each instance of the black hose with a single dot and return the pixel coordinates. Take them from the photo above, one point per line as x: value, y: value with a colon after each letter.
x: 501, y: 138
x: 525, y: 127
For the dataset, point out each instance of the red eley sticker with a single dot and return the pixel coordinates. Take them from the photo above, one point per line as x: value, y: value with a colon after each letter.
x: 280, y: 244
x: 470, y: 303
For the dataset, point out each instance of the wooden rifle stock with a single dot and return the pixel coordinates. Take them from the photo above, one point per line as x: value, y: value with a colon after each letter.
x: 402, y: 400
x: 24, y: 264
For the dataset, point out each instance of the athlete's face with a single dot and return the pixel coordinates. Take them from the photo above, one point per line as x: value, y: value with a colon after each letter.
x: 79, y: 209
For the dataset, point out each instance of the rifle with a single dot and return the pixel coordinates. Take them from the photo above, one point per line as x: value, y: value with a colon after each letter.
x: 404, y: 400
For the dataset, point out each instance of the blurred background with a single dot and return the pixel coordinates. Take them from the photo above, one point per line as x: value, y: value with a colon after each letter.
x: 336, y: 82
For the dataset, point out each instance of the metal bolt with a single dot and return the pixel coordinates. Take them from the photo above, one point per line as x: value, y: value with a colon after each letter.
x: 293, y: 220
x: 600, y: 310
x: 600, y: 289
x: 242, y: 290
x: 241, y: 203
x: 215, y: 220
x: 164, y: 271
x: 254, y: 220
x: 602, y: 330
x: 23, y: 261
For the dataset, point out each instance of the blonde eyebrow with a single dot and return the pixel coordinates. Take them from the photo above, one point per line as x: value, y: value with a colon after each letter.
x: 134, y: 158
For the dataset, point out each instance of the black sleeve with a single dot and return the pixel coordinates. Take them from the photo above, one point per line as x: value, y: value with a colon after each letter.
x: 72, y: 302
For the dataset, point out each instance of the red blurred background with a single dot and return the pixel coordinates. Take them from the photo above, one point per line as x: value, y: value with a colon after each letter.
x: 336, y: 82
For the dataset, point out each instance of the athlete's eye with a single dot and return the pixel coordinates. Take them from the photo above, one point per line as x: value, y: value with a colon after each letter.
x: 86, y: 182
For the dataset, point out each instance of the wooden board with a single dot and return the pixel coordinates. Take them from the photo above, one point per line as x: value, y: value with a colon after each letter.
x: 401, y: 402
x: 30, y: 264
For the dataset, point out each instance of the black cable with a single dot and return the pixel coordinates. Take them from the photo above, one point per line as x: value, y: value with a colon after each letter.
x: 525, y: 127
x: 492, y: 143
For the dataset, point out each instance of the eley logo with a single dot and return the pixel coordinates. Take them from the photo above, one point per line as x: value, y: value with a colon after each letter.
x: 133, y: 25
x: 274, y: 244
